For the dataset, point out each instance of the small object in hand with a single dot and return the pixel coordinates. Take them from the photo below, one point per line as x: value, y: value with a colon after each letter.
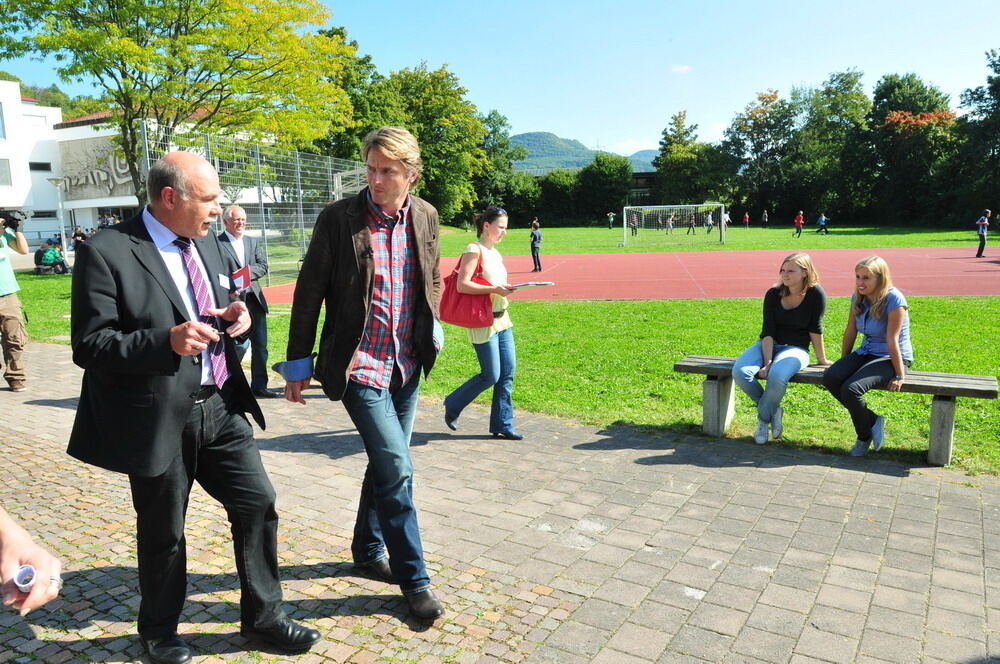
x: 56, y: 582
x: 24, y: 578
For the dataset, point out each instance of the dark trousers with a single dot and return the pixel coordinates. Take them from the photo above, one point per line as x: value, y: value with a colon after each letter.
x: 219, y: 452
x: 849, y: 378
x: 797, y: 232
x: 690, y: 230
x: 823, y: 230
x: 536, y: 257
x: 258, y: 345
x: 982, y: 246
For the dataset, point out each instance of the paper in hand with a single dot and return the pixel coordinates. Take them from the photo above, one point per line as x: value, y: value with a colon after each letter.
x: 534, y: 284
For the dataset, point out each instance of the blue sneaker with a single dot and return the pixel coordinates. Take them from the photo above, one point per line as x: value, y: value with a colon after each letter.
x: 878, y: 432
x: 860, y: 448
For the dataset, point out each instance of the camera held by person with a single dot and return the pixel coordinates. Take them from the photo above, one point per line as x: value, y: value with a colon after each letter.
x: 12, y: 219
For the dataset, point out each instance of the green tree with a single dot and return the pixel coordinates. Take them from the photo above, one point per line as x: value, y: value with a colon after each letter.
x: 449, y: 130
x: 495, y: 182
x: 911, y: 130
x: 758, y: 141
x: 687, y: 171
x: 603, y: 185
x: 371, y: 104
x: 828, y: 147
x: 975, y: 167
x: 557, y: 194
x: 229, y: 65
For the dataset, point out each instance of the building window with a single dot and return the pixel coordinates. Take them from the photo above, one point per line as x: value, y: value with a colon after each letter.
x: 5, y: 173
x: 40, y: 166
x: 3, y: 132
x: 44, y: 214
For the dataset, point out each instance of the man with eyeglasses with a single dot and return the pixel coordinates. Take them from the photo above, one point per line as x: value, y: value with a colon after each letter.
x: 373, y: 261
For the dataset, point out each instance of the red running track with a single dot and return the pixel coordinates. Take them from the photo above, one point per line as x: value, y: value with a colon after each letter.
x: 731, y: 274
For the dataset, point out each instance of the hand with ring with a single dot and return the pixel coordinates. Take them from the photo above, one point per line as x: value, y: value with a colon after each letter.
x: 18, y: 549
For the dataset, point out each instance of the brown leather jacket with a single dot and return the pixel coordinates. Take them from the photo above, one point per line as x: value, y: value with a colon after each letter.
x: 339, y: 269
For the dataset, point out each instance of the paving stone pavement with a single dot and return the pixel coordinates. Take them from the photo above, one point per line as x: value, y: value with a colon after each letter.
x: 573, y: 545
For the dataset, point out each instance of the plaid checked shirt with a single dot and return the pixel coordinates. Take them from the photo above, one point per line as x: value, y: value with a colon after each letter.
x: 388, y: 338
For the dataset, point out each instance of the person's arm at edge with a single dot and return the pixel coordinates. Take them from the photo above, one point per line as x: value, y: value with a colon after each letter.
x: 310, y: 292
x: 893, y: 328
x: 16, y: 549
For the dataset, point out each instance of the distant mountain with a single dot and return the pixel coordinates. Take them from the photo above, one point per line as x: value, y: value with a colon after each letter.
x: 642, y: 161
x: 546, y: 152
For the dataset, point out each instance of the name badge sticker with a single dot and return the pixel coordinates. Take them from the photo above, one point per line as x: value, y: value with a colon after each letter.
x: 224, y: 281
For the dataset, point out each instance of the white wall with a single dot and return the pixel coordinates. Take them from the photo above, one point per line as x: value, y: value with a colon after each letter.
x: 29, y: 137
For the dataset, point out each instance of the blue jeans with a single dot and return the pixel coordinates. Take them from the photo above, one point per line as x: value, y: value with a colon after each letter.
x: 785, y: 363
x: 257, y: 340
x: 387, y: 517
x: 497, y: 361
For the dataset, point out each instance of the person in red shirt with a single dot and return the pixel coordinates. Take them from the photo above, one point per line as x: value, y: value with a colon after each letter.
x: 800, y: 221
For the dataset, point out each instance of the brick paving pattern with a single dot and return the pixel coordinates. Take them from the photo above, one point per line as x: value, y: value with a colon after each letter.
x: 574, y: 545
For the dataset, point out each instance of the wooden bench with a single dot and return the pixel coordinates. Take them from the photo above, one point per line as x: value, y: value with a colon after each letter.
x: 718, y: 392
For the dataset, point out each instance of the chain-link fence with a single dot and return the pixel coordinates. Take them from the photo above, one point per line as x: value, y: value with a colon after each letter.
x: 281, y: 190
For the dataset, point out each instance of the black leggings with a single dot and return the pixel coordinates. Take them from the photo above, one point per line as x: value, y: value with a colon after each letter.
x: 850, y: 377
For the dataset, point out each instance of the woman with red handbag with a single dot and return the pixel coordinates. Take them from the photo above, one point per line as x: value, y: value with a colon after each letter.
x: 494, y: 344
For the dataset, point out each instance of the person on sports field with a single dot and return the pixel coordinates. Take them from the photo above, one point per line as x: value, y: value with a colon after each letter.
x: 793, y: 316
x: 881, y: 314
x: 821, y: 224
x: 799, y: 222
x: 981, y: 227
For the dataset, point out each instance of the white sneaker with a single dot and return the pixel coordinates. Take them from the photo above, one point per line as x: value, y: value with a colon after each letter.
x: 760, y: 436
x: 878, y: 432
x: 777, y: 426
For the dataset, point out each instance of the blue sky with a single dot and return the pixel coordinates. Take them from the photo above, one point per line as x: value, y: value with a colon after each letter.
x: 611, y: 74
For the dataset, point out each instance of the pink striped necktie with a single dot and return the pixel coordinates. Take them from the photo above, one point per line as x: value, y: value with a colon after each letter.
x: 203, y: 298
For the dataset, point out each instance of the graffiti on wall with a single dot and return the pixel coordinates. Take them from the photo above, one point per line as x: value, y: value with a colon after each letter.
x: 94, y: 169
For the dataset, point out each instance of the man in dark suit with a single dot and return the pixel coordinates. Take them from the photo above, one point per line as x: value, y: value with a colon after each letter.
x: 246, y: 250
x: 164, y: 400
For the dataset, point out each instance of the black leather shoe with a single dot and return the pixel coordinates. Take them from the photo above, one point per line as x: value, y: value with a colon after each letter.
x: 284, y: 635
x: 425, y: 606
x: 265, y: 394
x: 167, y: 650
x: 378, y: 570
x: 509, y: 435
x: 450, y: 419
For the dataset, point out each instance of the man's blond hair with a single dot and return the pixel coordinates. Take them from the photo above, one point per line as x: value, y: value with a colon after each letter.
x: 395, y: 143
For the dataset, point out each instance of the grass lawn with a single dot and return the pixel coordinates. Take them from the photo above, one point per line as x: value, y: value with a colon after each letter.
x: 595, y: 240
x: 610, y: 363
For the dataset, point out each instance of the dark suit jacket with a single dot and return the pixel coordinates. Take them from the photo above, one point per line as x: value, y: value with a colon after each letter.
x: 256, y: 258
x: 137, y: 392
x: 339, y: 270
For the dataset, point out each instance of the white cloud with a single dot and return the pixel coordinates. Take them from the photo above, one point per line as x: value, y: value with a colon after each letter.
x: 681, y: 69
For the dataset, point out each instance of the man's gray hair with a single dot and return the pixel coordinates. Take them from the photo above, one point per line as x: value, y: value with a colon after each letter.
x: 232, y: 208
x: 164, y: 174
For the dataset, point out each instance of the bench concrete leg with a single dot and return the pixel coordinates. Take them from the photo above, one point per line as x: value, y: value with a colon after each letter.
x: 942, y: 431
x: 718, y: 405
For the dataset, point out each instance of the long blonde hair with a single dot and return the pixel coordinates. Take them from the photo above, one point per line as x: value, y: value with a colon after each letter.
x: 880, y: 270
x: 805, y: 262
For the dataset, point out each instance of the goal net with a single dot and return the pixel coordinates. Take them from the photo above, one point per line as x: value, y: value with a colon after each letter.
x: 651, y: 225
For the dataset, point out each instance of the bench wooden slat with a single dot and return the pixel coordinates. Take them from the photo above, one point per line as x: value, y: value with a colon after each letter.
x: 917, y: 382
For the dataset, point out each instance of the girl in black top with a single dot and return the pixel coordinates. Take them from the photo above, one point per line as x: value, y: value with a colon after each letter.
x: 793, y: 316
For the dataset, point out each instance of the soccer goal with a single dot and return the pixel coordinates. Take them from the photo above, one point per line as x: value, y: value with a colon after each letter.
x: 650, y: 225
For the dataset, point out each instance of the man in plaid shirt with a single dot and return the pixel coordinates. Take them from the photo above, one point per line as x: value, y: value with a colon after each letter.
x: 373, y: 261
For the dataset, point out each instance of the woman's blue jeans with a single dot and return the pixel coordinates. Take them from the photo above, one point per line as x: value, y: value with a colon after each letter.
x: 786, y: 362
x: 497, y: 361
x: 387, y: 517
